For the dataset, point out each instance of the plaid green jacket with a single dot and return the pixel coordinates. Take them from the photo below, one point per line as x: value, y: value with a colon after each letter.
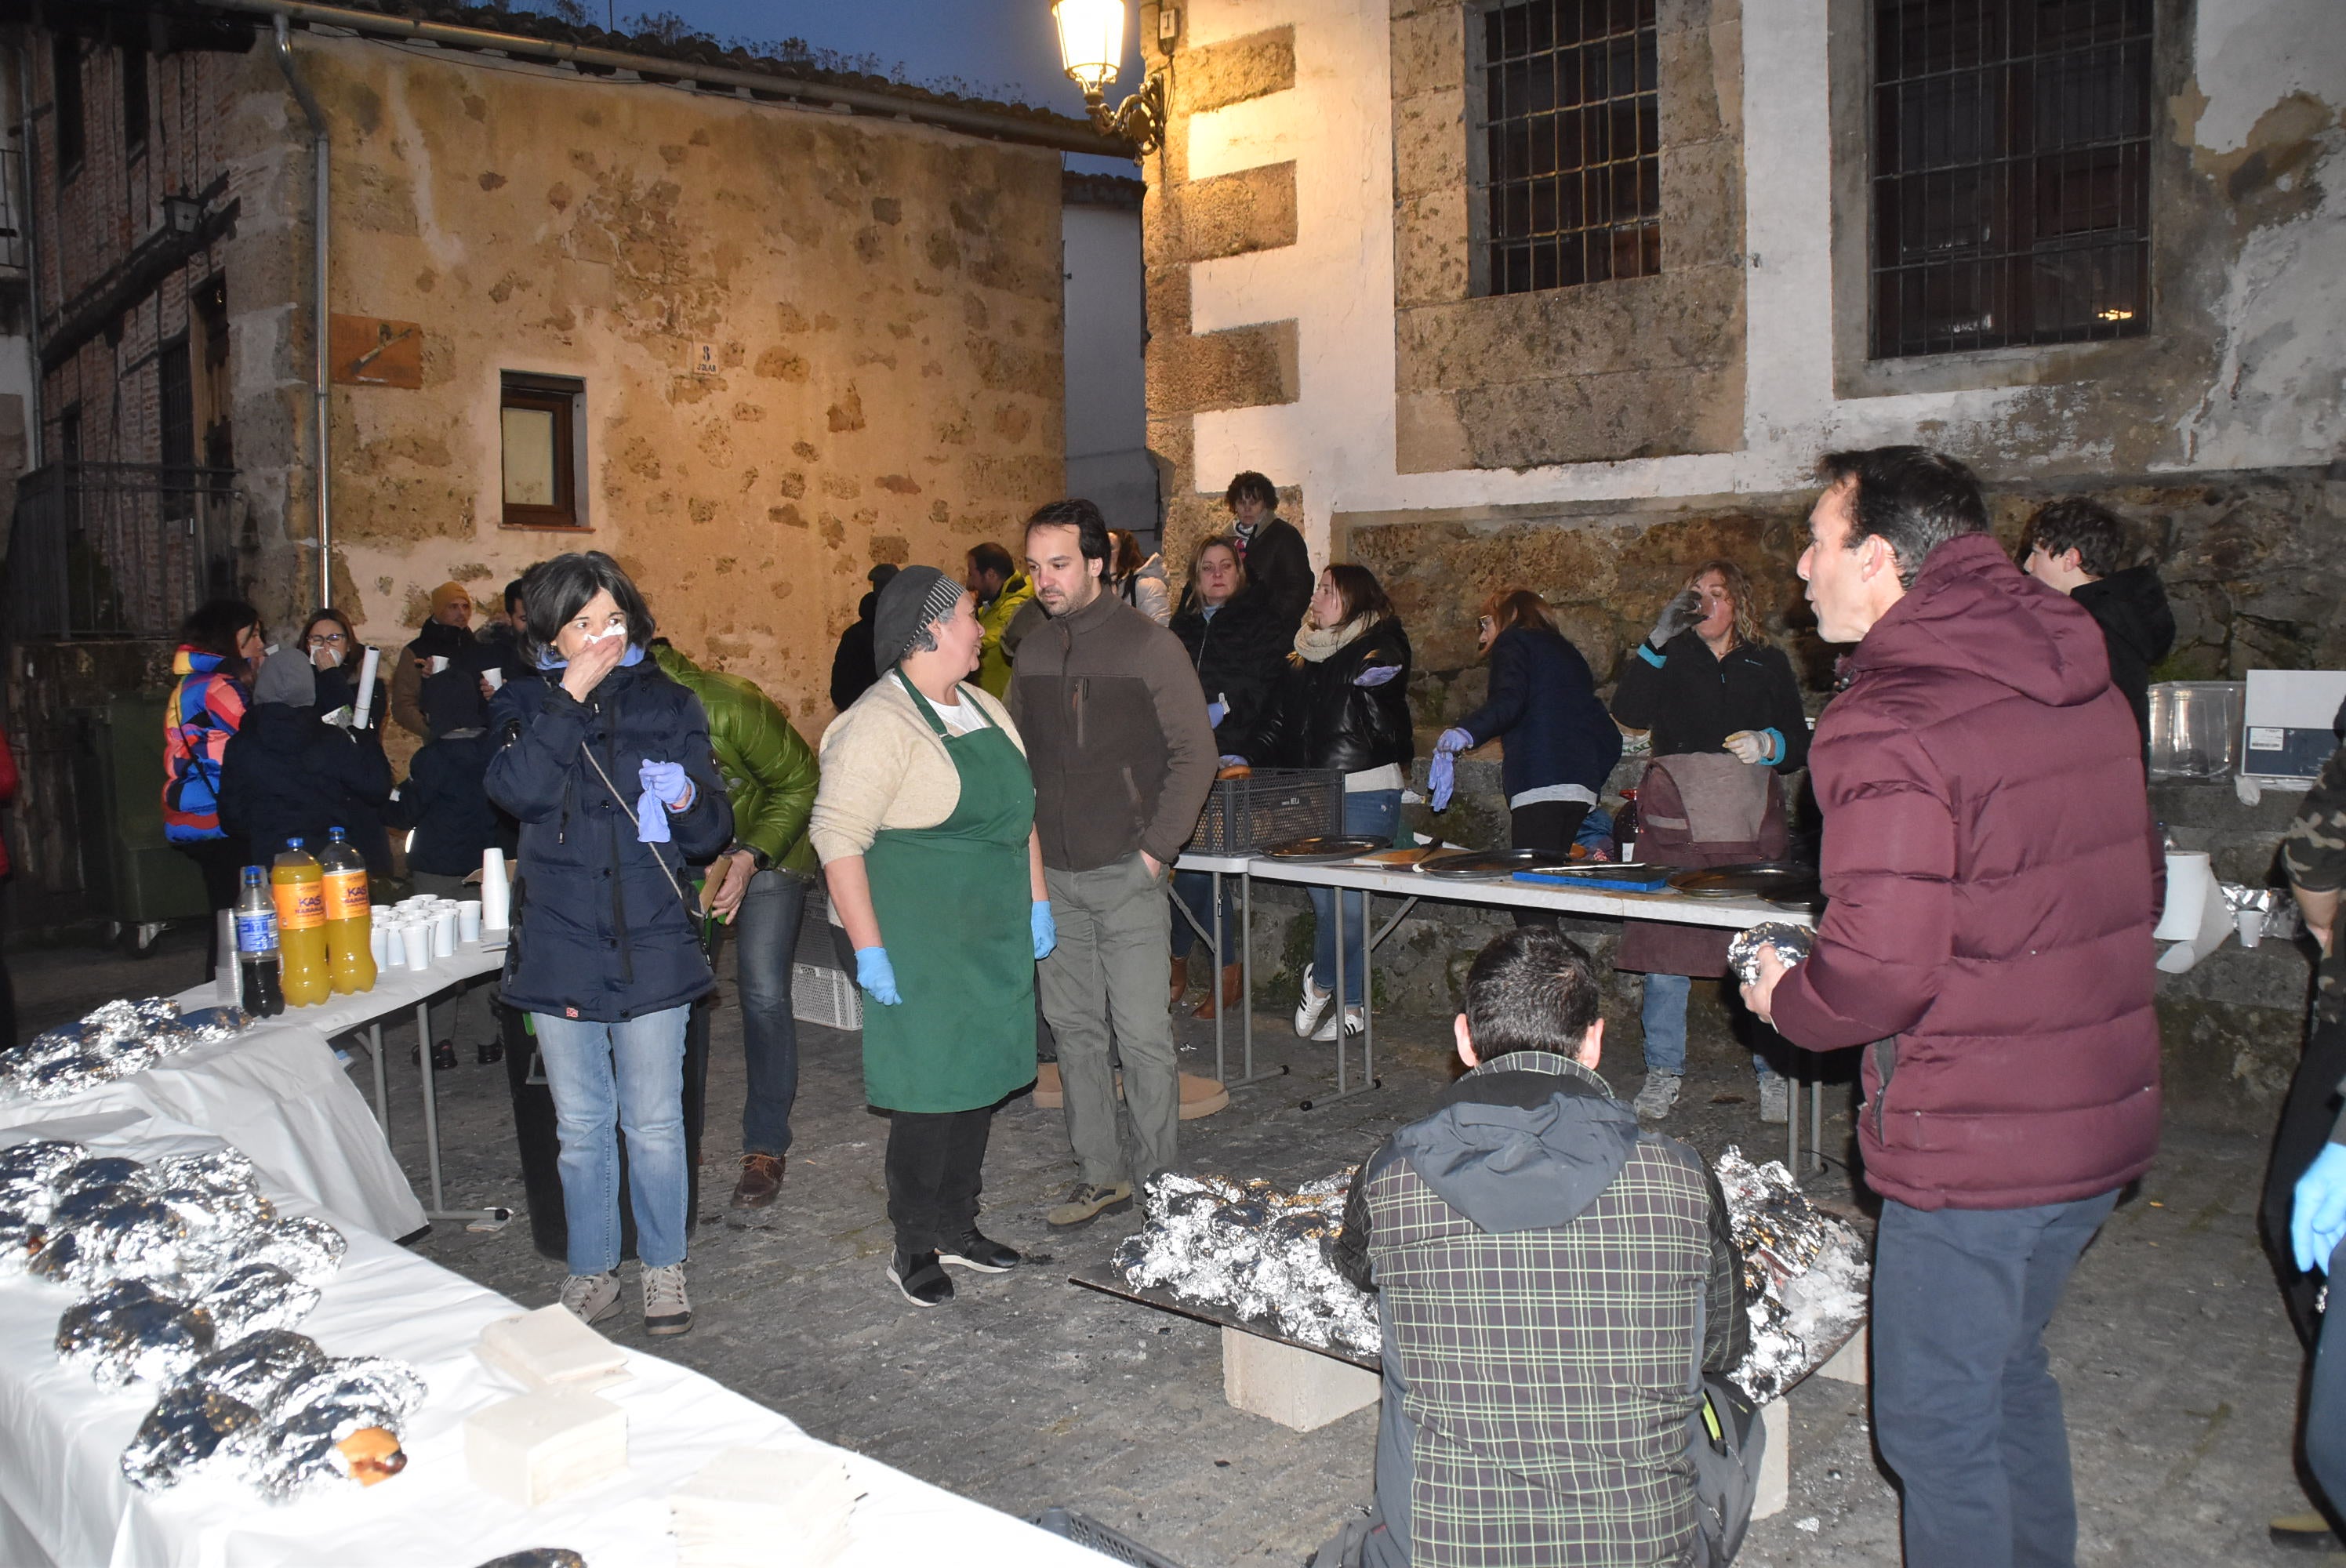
x: 1538, y: 1380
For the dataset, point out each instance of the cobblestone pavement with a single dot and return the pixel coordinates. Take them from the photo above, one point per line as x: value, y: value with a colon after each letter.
x: 1028, y: 1391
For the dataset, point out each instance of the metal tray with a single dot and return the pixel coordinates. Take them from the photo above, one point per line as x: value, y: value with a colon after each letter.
x: 1787, y: 882
x: 1489, y: 865
x: 1322, y: 849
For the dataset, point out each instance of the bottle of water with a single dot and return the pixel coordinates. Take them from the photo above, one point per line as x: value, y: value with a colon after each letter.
x: 256, y: 946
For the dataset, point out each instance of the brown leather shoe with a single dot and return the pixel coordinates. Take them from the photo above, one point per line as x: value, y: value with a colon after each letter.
x: 754, y: 1194
x: 1181, y: 980
x: 1233, y: 983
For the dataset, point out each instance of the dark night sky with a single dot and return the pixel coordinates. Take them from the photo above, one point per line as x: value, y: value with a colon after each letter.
x: 999, y: 48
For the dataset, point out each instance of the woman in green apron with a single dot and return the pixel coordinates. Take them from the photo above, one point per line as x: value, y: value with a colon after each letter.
x: 925, y: 823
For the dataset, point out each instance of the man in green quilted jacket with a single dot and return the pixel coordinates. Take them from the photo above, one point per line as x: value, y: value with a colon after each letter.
x: 757, y: 888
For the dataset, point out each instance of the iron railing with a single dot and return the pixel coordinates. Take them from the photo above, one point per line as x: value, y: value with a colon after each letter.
x: 120, y: 549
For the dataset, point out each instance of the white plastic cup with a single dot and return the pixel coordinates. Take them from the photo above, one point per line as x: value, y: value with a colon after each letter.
x: 495, y: 679
x: 439, y: 664
x: 415, y: 942
x: 468, y: 921
x: 379, y: 942
x: 444, y: 933
x: 2252, y: 927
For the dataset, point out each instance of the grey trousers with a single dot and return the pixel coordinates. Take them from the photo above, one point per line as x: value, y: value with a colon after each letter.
x: 1114, y: 923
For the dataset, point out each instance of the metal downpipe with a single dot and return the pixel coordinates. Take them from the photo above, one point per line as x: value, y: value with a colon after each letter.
x: 321, y: 373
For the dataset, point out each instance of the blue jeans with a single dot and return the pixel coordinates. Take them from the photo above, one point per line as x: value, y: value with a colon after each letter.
x: 1368, y: 814
x: 1663, y: 1014
x: 1965, y: 1408
x: 766, y: 930
x: 1196, y: 890
x: 645, y: 1097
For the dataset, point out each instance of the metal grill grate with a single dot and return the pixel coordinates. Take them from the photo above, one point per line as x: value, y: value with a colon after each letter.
x: 2010, y: 173
x: 1570, y: 188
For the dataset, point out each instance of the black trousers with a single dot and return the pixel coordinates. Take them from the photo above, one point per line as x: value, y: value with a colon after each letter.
x: 1544, y: 825
x: 220, y: 862
x: 935, y: 1161
x: 2306, y: 1117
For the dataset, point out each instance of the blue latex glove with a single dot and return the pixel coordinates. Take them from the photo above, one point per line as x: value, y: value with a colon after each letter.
x: 1046, y: 929
x: 875, y: 974
x: 668, y: 783
x: 1216, y: 712
x: 2317, y: 1221
x: 1376, y: 675
x: 1230, y: 760
x: 1455, y: 739
x: 1441, y: 777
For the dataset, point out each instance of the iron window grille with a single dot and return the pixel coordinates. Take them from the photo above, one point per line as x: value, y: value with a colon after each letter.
x: 1568, y: 134
x: 2010, y: 173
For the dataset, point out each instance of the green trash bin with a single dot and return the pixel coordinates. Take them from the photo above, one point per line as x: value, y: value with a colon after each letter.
x: 133, y: 873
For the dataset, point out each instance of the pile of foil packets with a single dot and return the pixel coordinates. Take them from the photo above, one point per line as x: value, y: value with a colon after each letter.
x: 117, y: 1040
x: 185, y: 1277
x: 1806, y: 1283
x: 1255, y: 1249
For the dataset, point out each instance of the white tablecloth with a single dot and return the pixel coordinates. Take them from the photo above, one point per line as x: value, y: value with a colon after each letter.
x: 63, y: 1500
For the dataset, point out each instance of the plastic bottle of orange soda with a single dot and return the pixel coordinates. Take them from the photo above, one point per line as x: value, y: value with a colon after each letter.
x: 350, y: 961
x: 297, y: 883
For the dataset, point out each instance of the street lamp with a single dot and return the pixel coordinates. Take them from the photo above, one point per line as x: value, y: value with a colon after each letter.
x: 1091, y: 45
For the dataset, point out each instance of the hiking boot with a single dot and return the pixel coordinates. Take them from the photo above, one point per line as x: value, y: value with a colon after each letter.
x: 1775, y: 1099
x: 1315, y: 1002
x: 489, y: 1052
x: 1660, y: 1093
x: 1356, y: 1023
x: 2307, y: 1532
x: 1226, y: 997
x: 1181, y: 979
x: 921, y: 1277
x: 1086, y: 1203
x: 977, y: 1250
x: 667, y: 1308
x: 754, y: 1192
x: 591, y: 1297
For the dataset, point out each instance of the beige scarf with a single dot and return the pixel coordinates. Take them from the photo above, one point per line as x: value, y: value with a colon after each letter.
x: 1313, y: 645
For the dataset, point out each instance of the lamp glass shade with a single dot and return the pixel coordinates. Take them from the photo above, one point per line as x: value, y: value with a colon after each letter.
x: 1091, y: 40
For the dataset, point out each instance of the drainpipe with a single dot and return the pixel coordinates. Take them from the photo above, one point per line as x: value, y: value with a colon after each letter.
x: 321, y: 373
x: 27, y: 165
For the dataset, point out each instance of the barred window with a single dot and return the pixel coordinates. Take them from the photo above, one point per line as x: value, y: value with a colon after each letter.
x: 2010, y: 173
x: 1568, y: 189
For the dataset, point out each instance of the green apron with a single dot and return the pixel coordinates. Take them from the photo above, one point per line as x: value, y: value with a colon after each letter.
x: 954, y: 903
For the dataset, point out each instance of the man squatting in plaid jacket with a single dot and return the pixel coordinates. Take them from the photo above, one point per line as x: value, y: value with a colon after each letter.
x: 1546, y: 1272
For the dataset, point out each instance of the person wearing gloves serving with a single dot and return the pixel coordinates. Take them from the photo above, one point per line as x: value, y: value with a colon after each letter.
x: 1727, y: 722
x: 605, y: 761
x: 924, y: 821
x: 1342, y: 703
x: 1560, y: 744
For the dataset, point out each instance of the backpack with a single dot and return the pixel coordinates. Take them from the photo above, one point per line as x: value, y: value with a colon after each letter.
x: 1726, y: 1439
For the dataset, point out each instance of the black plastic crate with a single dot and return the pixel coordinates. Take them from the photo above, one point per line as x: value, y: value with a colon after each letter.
x: 1272, y: 806
x: 1085, y: 1530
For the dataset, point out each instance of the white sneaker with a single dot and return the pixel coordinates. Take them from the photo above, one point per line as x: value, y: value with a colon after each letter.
x: 1315, y: 1002
x: 667, y: 1308
x: 1660, y: 1093
x: 591, y: 1297
x: 1354, y: 1024
x: 1775, y: 1099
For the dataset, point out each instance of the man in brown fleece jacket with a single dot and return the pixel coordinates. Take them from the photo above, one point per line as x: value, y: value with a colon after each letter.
x: 1116, y: 731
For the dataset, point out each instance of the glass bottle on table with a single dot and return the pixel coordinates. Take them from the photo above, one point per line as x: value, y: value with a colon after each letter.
x: 350, y: 958
x: 256, y: 946
x: 299, y: 884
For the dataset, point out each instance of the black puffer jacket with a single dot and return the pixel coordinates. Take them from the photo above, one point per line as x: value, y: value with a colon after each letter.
x: 1238, y: 654
x: 2131, y: 608
x: 289, y: 775
x: 1318, y: 718
x: 600, y: 931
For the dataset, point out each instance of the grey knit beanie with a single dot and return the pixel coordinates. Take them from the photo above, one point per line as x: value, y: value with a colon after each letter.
x: 286, y: 676
x: 914, y: 598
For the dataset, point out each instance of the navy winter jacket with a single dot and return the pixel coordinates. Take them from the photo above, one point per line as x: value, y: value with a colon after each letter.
x: 600, y: 931
x: 445, y: 801
x: 1544, y: 701
x: 287, y: 774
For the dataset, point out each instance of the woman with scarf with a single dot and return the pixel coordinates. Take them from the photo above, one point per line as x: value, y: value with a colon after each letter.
x: 924, y: 821
x: 338, y: 659
x: 606, y: 762
x: 220, y: 648
x: 1343, y: 702
x: 1727, y: 723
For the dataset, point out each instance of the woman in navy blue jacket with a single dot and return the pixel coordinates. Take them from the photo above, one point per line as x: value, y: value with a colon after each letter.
x: 607, y: 763
x: 1561, y: 743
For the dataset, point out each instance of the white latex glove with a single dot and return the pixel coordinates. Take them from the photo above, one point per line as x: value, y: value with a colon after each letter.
x: 1749, y: 746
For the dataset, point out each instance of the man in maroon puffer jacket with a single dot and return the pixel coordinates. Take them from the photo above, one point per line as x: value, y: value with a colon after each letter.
x: 1992, y: 872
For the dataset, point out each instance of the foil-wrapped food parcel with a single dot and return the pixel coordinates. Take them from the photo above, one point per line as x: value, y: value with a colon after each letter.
x: 1806, y: 1282
x: 186, y: 1277
x: 117, y: 1040
x: 1792, y: 942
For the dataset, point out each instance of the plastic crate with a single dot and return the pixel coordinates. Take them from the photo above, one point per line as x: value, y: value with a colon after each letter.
x: 1086, y: 1531
x: 1272, y: 806
x: 825, y: 996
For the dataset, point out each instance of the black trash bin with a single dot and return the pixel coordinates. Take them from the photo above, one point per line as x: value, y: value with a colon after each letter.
x: 541, y: 1142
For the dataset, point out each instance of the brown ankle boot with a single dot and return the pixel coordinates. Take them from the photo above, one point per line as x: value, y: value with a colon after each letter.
x: 1228, y: 996
x: 1181, y: 980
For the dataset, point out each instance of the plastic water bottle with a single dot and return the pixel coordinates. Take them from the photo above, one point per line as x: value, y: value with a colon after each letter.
x: 350, y: 958
x: 299, y: 884
x: 256, y: 946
